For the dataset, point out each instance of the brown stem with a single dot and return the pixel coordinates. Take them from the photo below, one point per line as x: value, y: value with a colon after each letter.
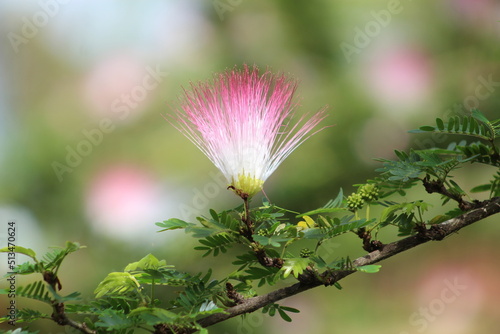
x: 369, y: 245
x: 233, y: 294
x: 246, y: 218
x: 267, y: 261
x: 437, y: 186
x: 60, y: 317
x: 247, y: 230
x: 58, y: 314
x: 164, y: 329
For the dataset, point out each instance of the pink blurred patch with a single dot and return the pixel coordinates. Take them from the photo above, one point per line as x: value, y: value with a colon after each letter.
x: 107, y: 85
x: 400, y: 78
x: 472, y: 9
x: 450, y: 298
x: 121, y: 200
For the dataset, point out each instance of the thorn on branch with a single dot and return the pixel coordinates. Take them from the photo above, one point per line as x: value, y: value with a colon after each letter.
x: 233, y: 294
x: 435, y: 232
x: 309, y: 277
x: 267, y: 261
x: 368, y: 244
x: 52, y: 280
x: 328, y: 280
x: 437, y: 186
x: 331, y: 277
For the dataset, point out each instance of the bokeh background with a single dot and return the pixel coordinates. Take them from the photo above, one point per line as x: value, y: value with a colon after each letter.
x: 86, y: 155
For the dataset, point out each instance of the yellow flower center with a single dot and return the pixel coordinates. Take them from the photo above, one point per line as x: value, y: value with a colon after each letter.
x: 245, y: 184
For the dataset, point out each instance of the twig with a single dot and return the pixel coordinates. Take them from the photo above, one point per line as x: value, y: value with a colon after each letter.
x: 60, y: 317
x: 267, y: 261
x: 369, y: 245
x: 233, y: 294
x: 437, y: 186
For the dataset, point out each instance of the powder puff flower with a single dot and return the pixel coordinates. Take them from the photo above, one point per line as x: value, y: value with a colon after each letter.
x: 242, y: 121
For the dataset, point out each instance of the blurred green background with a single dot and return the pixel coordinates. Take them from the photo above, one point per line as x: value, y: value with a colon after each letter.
x: 86, y: 155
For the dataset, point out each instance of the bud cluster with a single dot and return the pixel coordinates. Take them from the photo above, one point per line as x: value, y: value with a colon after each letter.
x: 306, y: 252
x: 263, y: 232
x: 369, y: 192
x: 366, y: 193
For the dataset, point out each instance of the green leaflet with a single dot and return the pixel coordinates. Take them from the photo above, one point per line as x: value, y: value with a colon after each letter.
x: 274, y: 240
x: 114, y: 320
x: 116, y: 283
x: 271, y: 309
x: 20, y: 250
x: 371, y: 268
x: 334, y: 230
x: 295, y: 266
x: 475, y: 125
x: 173, y: 224
x: 406, y: 207
x: 216, y: 243
x: 154, y: 315
x: 149, y: 262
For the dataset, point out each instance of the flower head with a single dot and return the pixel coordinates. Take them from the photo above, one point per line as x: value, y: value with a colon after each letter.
x: 242, y: 121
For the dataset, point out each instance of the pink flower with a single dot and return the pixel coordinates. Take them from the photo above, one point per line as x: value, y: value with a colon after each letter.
x: 242, y: 121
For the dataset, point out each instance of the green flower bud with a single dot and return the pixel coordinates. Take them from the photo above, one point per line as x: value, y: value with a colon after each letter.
x: 306, y: 252
x: 263, y: 232
x: 355, y: 202
x: 369, y: 192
